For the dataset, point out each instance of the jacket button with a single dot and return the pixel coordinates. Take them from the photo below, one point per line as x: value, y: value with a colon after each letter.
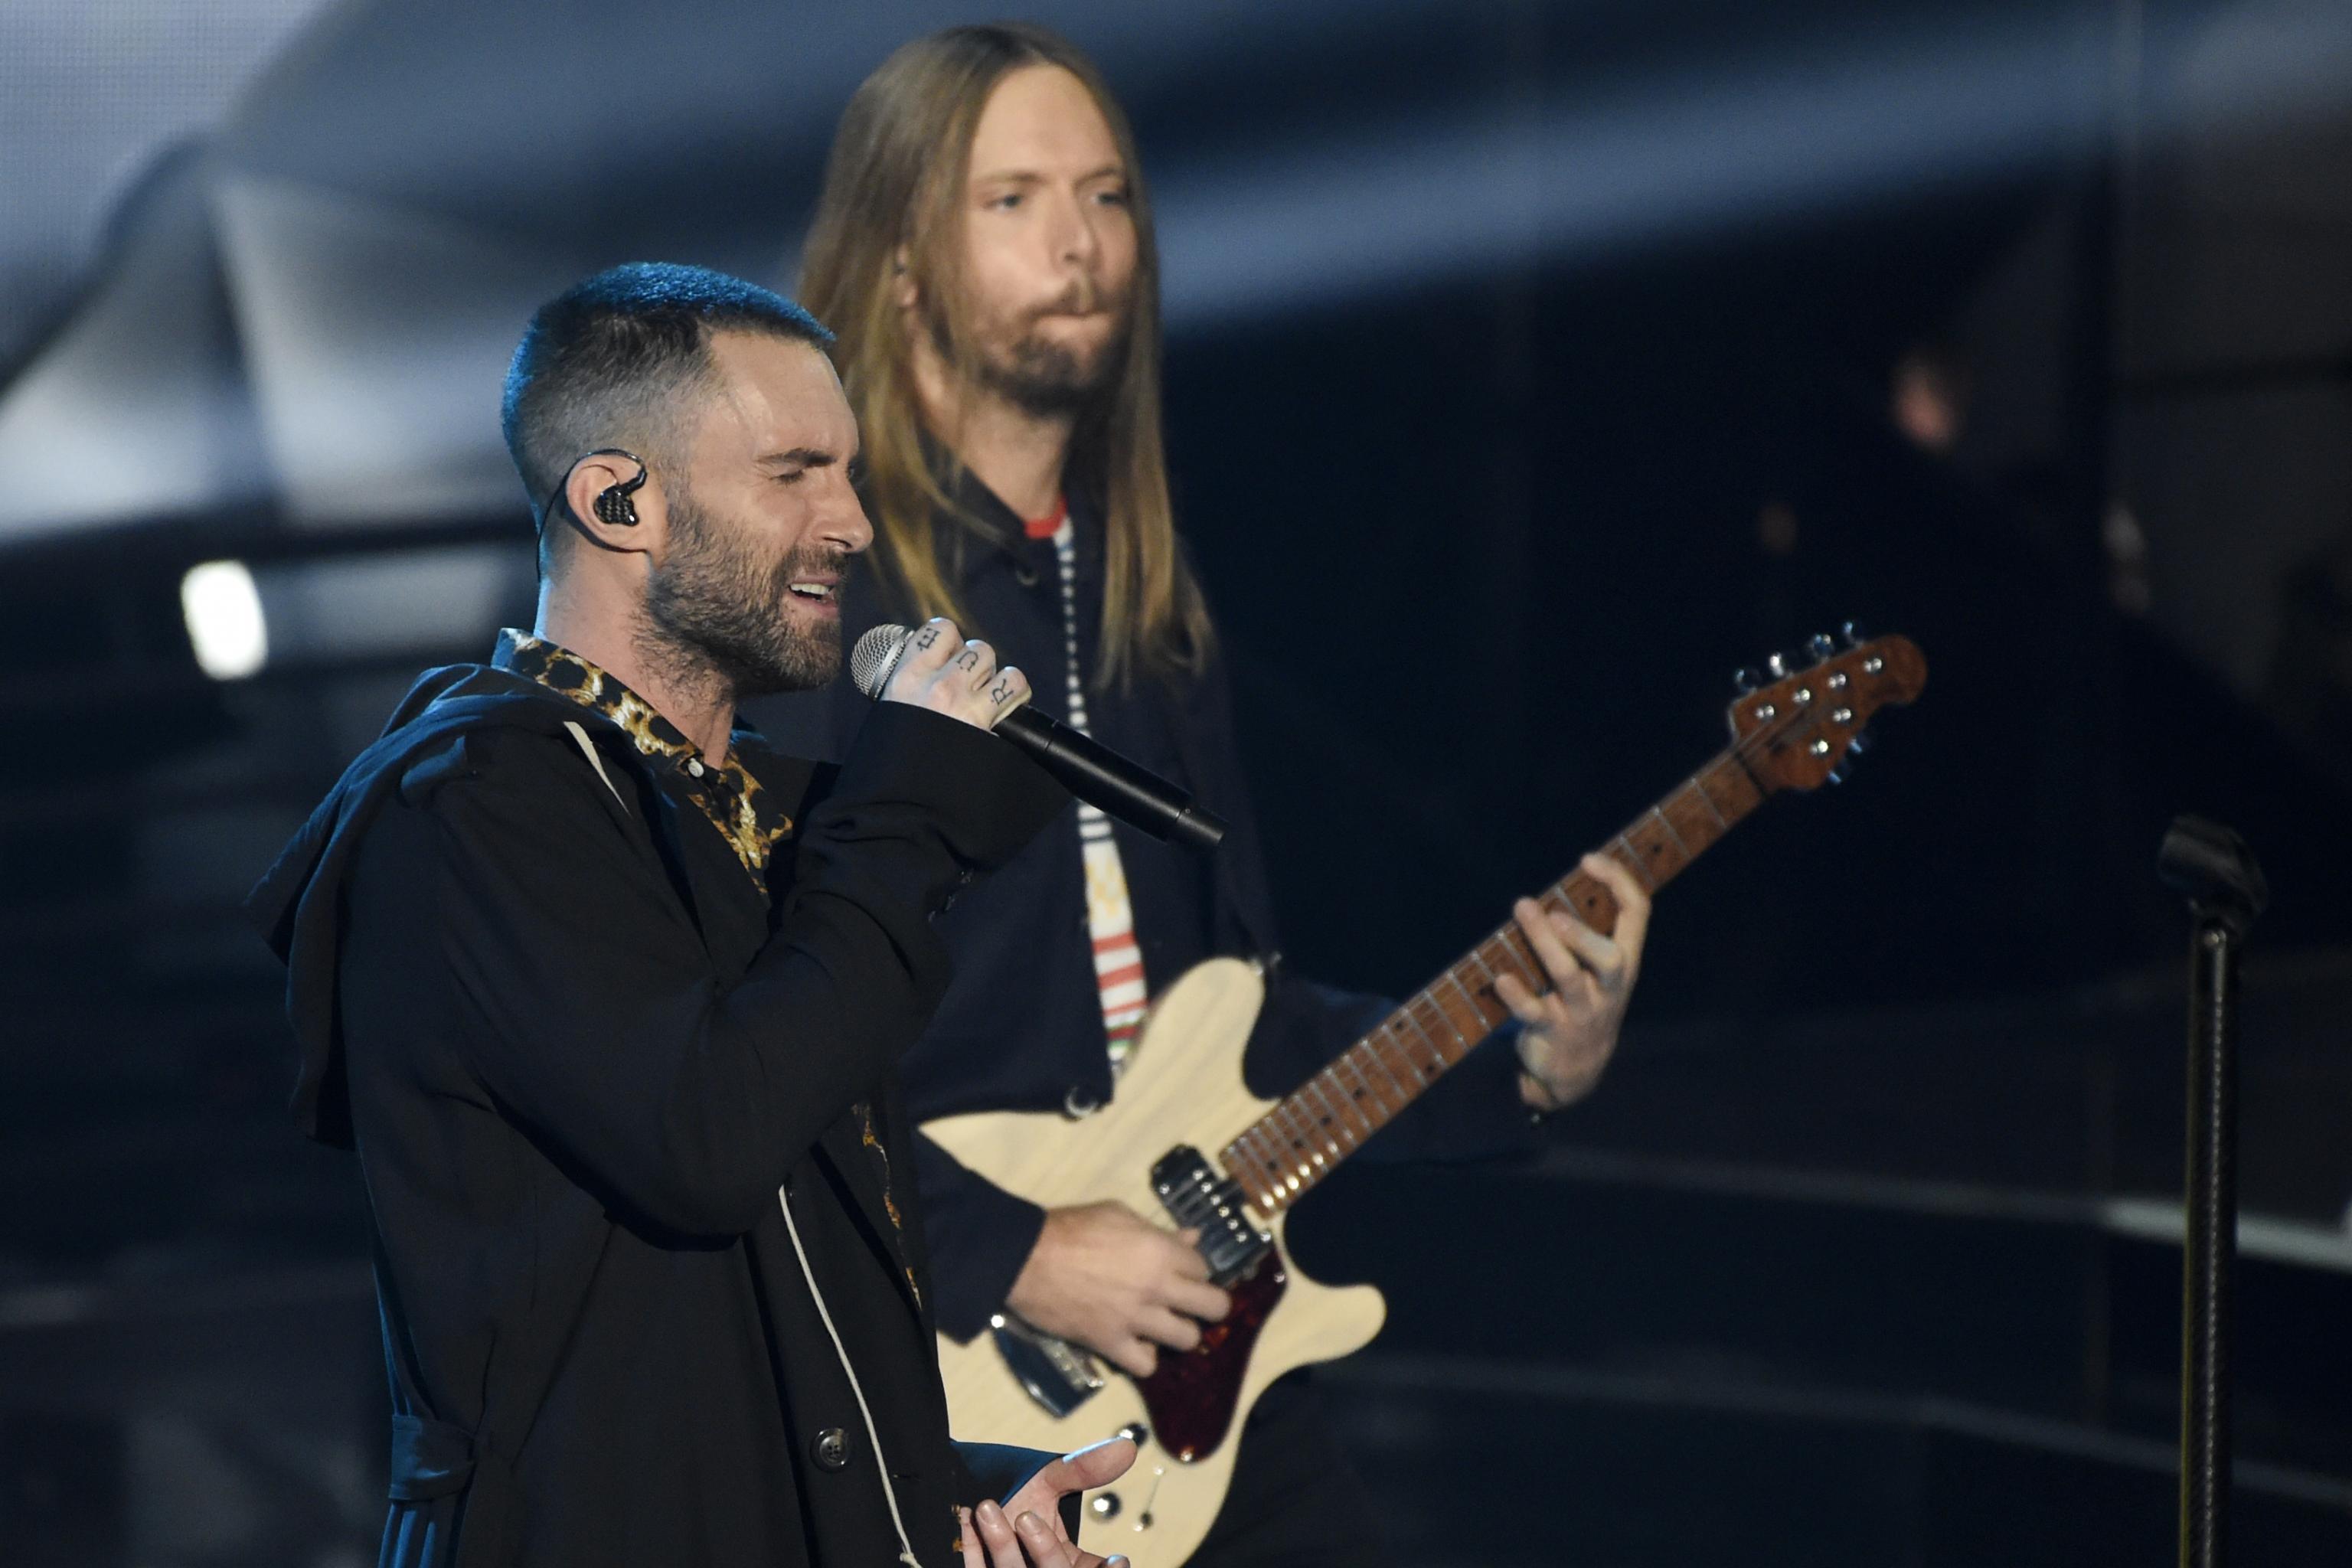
x: 1080, y: 1102
x: 831, y: 1449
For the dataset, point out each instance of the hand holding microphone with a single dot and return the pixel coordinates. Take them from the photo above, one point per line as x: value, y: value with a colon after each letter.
x: 930, y: 667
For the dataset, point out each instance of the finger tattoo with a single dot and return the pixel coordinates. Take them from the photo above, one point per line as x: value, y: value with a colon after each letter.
x: 1003, y: 691
x: 967, y: 659
x: 927, y: 637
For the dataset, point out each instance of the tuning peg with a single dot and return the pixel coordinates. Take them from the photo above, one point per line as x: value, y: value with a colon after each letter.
x: 1746, y: 680
x: 1857, y: 744
x: 1852, y: 632
x: 1837, y: 774
x: 1775, y: 667
x: 1820, y: 646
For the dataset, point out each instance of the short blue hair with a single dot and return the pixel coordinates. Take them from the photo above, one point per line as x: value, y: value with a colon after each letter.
x: 604, y: 363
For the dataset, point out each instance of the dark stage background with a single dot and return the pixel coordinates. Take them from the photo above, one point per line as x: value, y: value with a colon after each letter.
x: 1531, y: 367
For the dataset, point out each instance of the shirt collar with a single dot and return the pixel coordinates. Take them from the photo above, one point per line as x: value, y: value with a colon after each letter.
x: 992, y: 525
x: 728, y: 795
x: 560, y: 669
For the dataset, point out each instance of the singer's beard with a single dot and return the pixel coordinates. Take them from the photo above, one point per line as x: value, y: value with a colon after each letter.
x: 715, y: 611
x: 1041, y: 375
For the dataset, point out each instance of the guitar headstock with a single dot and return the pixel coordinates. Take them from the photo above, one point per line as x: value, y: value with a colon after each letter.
x: 1799, y: 729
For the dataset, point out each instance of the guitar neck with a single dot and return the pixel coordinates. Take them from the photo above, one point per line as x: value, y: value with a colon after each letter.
x: 1307, y: 1136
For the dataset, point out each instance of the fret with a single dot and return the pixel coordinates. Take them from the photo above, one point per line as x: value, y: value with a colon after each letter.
x: 1290, y: 1143
x: 1344, y: 1106
x: 1379, y: 1046
x: 1632, y: 861
x: 1697, y: 788
x: 1260, y: 1188
x: 1471, y: 1000
x: 1259, y: 1172
x: 1267, y: 1156
x: 1330, y: 1119
x: 1364, y: 1087
x: 1309, y: 1147
x: 1379, y: 1060
x: 1680, y: 847
x: 1586, y: 896
x: 1300, y: 1120
x: 1447, y: 1058
x: 1694, y: 825
x: 1531, y: 969
x: 1299, y: 1138
x: 1422, y: 1073
x: 1729, y: 788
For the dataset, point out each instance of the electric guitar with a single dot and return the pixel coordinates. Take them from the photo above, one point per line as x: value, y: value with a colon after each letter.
x: 1186, y: 1140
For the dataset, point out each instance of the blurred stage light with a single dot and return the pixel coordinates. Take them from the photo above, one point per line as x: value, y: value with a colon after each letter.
x: 226, y: 625
x: 1710, y: 147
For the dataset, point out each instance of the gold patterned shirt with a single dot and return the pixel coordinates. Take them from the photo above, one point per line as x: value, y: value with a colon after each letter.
x: 726, y: 791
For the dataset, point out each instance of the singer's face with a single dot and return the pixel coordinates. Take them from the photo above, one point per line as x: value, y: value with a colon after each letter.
x: 1049, y: 243
x: 766, y: 523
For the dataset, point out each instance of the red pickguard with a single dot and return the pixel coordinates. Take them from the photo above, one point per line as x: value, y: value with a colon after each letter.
x: 1192, y: 1396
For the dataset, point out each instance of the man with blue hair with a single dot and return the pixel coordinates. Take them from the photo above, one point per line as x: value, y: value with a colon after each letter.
x: 606, y: 996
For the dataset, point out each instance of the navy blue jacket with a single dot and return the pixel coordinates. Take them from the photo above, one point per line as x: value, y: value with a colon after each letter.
x: 1021, y: 1027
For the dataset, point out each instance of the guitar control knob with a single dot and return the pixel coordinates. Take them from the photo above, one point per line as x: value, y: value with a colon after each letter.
x: 1135, y: 1432
x: 1744, y: 681
x: 1820, y: 646
x: 1105, y: 1505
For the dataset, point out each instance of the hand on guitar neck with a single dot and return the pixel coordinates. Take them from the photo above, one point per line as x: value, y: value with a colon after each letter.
x: 1186, y: 1141
x: 1571, y: 1030
x: 1104, y: 1277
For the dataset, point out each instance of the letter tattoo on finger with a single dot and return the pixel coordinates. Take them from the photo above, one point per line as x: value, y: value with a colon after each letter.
x: 967, y: 660
x: 927, y: 637
x: 1002, y: 692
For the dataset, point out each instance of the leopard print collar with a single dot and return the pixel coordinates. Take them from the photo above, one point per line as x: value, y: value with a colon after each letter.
x: 734, y: 801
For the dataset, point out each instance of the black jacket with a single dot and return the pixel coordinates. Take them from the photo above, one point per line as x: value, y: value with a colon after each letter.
x: 1020, y: 1028
x: 582, y: 1060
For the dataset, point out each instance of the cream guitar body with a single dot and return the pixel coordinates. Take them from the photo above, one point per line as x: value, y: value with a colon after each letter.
x: 1185, y: 1142
x: 1183, y: 1086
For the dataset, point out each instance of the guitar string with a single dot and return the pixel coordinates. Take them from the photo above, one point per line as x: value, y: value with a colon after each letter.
x: 1742, y: 750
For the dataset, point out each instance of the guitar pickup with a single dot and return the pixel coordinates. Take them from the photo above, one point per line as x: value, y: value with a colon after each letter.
x: 1198, y: 1199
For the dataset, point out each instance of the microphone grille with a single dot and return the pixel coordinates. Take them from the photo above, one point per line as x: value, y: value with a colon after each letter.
x: 875, y: 657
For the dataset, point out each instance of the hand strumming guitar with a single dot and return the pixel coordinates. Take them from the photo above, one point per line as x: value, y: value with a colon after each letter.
x: 1571, y: 1029
x: 1106, y: 1278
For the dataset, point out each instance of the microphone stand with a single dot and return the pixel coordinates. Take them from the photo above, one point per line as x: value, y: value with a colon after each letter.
x: 2212, y: 867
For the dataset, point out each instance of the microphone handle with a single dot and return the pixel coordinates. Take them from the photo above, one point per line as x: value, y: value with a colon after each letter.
x: 1109, y: 782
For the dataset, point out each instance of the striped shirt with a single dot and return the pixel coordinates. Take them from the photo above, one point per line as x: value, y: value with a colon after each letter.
x: 1110, y: 918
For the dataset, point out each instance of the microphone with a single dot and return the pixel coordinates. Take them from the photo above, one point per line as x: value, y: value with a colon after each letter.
x: 1086, y: 767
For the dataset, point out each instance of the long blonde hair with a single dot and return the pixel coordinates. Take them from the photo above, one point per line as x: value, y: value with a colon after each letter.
x: 895, y: 179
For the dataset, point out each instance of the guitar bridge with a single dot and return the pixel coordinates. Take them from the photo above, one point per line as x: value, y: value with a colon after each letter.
x: 1198, y: 1197
x: 1056, y: 1373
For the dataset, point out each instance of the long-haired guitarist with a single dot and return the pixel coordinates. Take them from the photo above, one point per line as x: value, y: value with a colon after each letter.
x: 984, y: 250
